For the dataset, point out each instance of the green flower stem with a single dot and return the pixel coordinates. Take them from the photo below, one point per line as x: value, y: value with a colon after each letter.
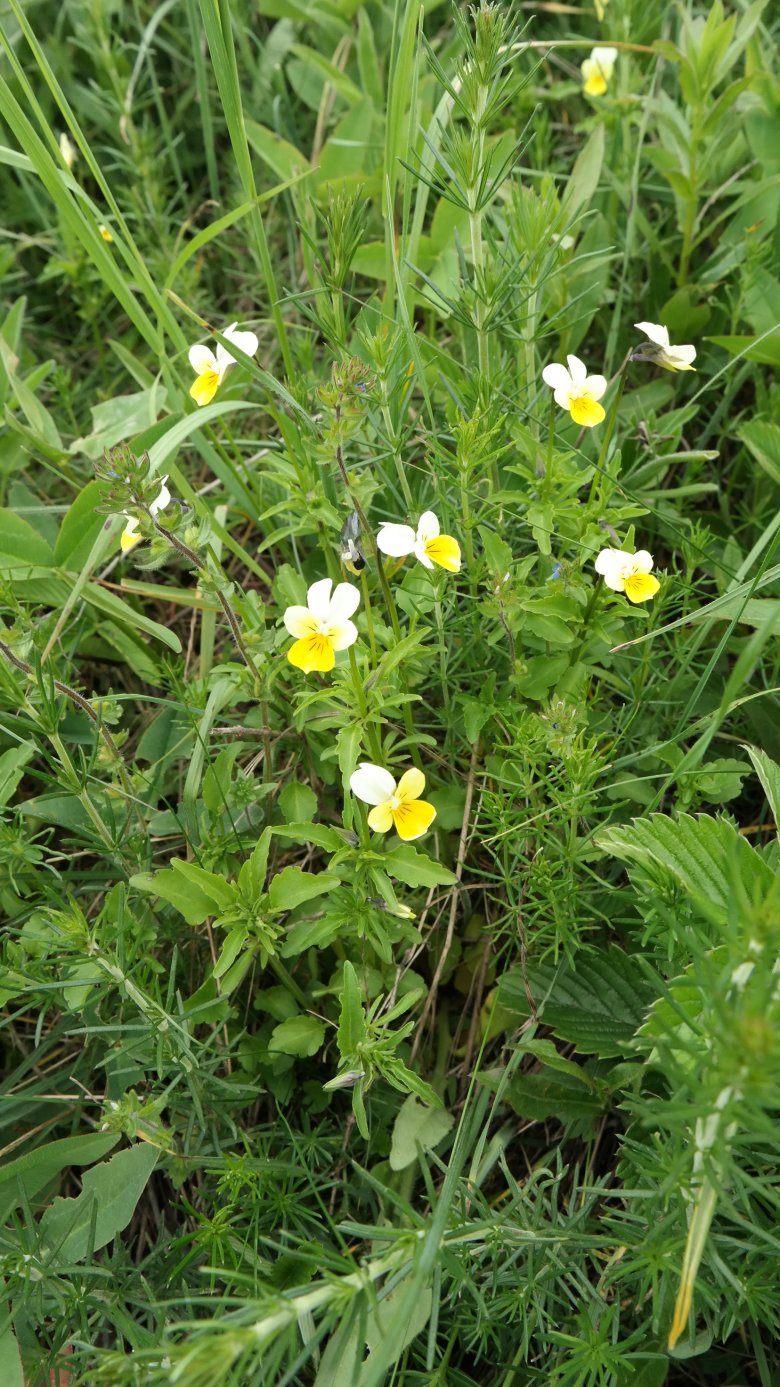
x: 397, y: 459
x: 442, y: 648
x: 478, y: 261
x: 369, y: 617
x: 362, y: 702
x: 529, y: 357
x: 610, y: 429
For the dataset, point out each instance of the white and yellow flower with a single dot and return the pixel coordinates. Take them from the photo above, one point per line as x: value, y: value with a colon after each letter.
x: 130, y: 536
x: 576, y: 391
x: 323, y: 627
x: 396, y: 806
x: 597, y: 70
x: 628, y: 573
x: 210, y: 367
x: 68, y: 151
x: 658, y: 349
x: 104, y: 231
x: 426, y: 543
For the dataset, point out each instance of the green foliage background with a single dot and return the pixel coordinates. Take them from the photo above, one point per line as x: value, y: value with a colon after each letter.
x: 288, y: 1103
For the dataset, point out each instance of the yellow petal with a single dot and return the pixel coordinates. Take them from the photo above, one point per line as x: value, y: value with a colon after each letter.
x: 413, y: 818
x: 129, y: 540
x: 586, y: 412
x: 411, y: 784
x: 204, y: 388
x: 380, y: 818
x: 640, y: 587
x: 445, y: 551
x: 312, y: 653
x: 596, y: 84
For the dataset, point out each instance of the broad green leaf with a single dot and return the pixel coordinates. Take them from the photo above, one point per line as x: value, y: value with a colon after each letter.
x: 11, y: 1374
x: 300, y: 1036
x: 278, y: 154
x: 768, y: 773
x: 597, y: 1004
x: 70, y: 1228
x: 406, y: 863
x: 291, y: 887
x: 195, y: 893
x: 545, y: 1094
x: 416, y: 1125
x: 705, y: 856
x: 20, y: 545
x: 12, y: 764
x: 584, y: 177
x: 23, y: 1178
x: 80, y: 527
x: 764, y: 348
x: 298, y: 803
x: 762, y: 437
x: 120, y: 418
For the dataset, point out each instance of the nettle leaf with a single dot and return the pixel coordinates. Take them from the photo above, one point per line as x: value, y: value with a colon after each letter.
x: 300, y: 1036
x: 597, y: 1005
x: 544, y: 1094
x: 72, y: 1228
x: 414, y: 868
x: 291, y: 887
x: 416, y: 1126
x: 705, y: 856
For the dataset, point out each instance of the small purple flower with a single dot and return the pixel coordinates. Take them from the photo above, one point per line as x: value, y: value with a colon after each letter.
x: 556, y: 573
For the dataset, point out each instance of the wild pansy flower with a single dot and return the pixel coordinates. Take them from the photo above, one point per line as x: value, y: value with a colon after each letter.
x: 104, y: 231
x: 426, y: 543
x: 323, y: 627
x: 396, y: 806
x: 597, y: 70
x: 68, y: 151
x: 628, y: 573
x: 130, y: 536
x: 576, y: 391
x: 658, y: 350
x: 210, y: 367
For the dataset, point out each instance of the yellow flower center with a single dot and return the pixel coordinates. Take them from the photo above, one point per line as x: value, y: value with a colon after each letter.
x: 585, y: 411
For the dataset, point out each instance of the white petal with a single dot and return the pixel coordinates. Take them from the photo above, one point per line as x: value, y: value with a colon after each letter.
x: 245, y: 341
x: 343, y: 603
x: 299, y: 621
x: 318, y: 598
x: 419, y: 553
x: 643, y: 562
x: 595, y: 386
x: 396, y: 540
x: 605, y: 58
x: 202, y: 358
x: 610, y: 559
x: 164, y: 497
x: 372, y: 784
x: 565, y: 395
x: 556, y: 376
x: 577, y: 370
x: 654, y: 332
x: 685, y: 354
x: 343, y: 634
x: 428, y: 527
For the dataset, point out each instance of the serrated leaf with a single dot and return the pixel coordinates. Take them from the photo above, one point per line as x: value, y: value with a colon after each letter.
x: 416, y: 1125
x: 291, y: 887
x: 71, y: 1228
x: 301, y: 1036
x: 704, y: 855
x: 413, y: 867
x: 597, y: 1004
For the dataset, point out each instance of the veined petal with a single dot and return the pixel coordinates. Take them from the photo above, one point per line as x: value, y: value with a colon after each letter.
x: 421, y: 554
x: 380, y: 818
x: 373, y: 784
x: 313, y: 652
x: 428, y: 526
x: 586, y: 412
x: 201, y: 358
x: 557, y: 377
x: 413, y: 818
x: 608, y: 559
x: 204, y: 387
x: 683, y: 356
x: 654, y: 332
x: 411, y: 784
x: 577, y: 370
x: 397, y: 541
x: 596, y: 386
x: 342, y: 635
x: 318, y: 598
x: 345, y: 601
x: 640, y: 587
x: 300, y: 622
x: 445, y: 551
x: 246, y: 342
x: 564, y: 396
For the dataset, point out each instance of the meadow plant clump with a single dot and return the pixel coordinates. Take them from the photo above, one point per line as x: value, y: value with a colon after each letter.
x: 389, y: 736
